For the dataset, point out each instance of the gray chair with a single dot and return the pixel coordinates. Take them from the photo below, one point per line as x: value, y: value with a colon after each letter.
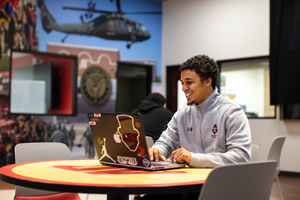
x: 149, y: 141
x: 246, y: 181
x: 274, y: 154
x: 254, y: 152
x: 38, y: 151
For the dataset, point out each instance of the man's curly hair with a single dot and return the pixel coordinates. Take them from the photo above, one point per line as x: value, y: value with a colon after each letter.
x: 204, y: 66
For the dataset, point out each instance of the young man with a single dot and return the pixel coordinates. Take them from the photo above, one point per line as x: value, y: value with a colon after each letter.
x: 209, y: 130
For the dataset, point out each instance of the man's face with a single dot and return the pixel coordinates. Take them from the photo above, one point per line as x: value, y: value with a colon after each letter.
x: 194, y: 90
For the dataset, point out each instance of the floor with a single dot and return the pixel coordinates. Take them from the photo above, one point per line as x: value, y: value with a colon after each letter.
x: 290, y: 185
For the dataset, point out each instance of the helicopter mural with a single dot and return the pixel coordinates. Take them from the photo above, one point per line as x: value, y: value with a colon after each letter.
x: 109, y: 25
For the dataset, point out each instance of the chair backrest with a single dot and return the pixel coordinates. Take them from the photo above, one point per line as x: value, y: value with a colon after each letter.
x: 275, y: 151
x: 38, y: 151
x: 245, y: 181
x: 254, y: 152
x: 149, y: 141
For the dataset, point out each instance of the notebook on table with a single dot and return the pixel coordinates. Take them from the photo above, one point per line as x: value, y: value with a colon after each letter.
x: 120, y: 140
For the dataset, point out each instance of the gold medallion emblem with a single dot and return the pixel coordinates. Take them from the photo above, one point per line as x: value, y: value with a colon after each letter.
x: 95, y: 85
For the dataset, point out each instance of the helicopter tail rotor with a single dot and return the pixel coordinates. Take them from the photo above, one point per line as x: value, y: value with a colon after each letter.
x: 47, y: 19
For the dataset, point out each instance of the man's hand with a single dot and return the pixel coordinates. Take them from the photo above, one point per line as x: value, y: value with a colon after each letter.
x: 156, y: 155
x: 181, y: 156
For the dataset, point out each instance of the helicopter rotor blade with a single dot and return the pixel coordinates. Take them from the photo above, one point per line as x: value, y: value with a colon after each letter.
x: 146, y: 13
x: 88, y: 10
x: 119, y: 6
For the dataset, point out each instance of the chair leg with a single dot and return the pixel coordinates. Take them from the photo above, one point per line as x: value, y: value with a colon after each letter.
x: 279, y: 187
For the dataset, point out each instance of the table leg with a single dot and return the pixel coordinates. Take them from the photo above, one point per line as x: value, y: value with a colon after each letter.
x: 117, y: 197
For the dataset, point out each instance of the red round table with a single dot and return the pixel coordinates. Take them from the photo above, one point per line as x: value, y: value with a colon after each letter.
x: 89, y: 176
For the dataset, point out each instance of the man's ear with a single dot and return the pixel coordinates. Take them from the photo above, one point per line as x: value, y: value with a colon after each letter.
x: 208, y: 82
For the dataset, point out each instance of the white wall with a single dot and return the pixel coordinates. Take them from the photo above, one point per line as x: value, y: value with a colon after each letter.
x: 227, y: 29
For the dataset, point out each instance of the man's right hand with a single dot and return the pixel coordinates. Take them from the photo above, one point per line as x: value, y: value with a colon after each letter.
x: 155, y: 155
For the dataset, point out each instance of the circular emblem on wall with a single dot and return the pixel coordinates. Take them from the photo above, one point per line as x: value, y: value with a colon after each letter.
x: 95, y: 85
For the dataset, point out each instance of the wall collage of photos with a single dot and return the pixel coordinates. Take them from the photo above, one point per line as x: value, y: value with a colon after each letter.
x: 114, y: 35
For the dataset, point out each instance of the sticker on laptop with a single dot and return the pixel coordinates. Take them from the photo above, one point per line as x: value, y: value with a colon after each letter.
x: 129, y: 134
x: 117, y: 138
x: 97, y: 114
x: 142, y: 153
x: 127, y: 160
x: 146, y: 162
x: 92, y: 123
x: 104, y: 151
x: 95, y: 119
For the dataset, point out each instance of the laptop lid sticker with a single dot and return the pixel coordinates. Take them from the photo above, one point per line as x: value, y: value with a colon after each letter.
x: 146, y: 162
x: 127, y: 160
x: 129, y: 134
x: 104, y: 151
x: 142, y: 153
x: 92, y: 122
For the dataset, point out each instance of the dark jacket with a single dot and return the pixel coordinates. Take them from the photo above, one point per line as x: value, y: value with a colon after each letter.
x: 154, y: 117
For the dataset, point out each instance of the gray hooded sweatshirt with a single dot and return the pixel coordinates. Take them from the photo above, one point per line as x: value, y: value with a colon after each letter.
x: 216, y: 132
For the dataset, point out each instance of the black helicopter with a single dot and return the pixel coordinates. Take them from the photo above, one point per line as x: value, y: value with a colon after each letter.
x: 109, y: 25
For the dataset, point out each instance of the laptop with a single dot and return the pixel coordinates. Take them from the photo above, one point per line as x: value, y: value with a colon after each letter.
x: 120, y: 140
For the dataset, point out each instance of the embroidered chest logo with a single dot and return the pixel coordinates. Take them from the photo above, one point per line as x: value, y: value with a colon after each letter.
x: 214, y: 130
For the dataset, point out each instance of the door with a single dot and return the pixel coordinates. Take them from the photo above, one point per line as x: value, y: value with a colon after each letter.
x: 133, y: 85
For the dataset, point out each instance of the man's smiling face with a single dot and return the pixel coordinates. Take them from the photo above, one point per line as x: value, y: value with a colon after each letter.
x: 195, y: 91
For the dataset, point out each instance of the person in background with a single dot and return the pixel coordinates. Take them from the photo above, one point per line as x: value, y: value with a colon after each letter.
x: 29, y: 26
x: 87, y: 137
x: 154, y: 115
x: 65, y: 131
x: 208, y: 131
x: 16, y: 28
x: 3, y: 28
x: 71, y: 137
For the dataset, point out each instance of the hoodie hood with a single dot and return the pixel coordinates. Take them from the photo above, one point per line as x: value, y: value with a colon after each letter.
x: 149, y: 104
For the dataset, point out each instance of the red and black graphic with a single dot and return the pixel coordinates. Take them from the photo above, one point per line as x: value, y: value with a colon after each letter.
x: 214, y: 130
x: 92, y: 123
x: 129, y: 134
x: 97, y: 114
x: 142, y: 153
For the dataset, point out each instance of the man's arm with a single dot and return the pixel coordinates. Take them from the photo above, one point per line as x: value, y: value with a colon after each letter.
x: 168, y: 141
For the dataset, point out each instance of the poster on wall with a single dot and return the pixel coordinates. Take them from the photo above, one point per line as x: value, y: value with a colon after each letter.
x: 131, y: 26
x: 96, y: 81
x: 17, y: 31
x: 100, y: 33
x: 131, y: 29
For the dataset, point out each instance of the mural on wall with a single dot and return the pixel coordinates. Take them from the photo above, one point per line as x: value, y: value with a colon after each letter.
x: 17, y: 31
x: 131, y: 26
x: 99, y: 34
x: 17, y: 28
x: 128, y: 29
x: 109, y: 25
x: 91, y: 83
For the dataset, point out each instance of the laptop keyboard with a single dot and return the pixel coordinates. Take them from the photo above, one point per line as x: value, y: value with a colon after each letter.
x: 162, y: 163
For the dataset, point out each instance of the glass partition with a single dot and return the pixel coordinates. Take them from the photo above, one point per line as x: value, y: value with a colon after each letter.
x: 246, y: 81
